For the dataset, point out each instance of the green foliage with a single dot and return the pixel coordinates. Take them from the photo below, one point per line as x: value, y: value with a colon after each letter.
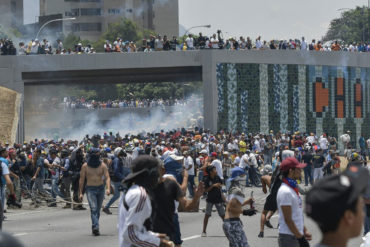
x: 352, y: 26
x: 71, y: 40
x: 78, y: 92
x: 125, y: 29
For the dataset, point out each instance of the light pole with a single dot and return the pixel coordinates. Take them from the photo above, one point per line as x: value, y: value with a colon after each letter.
x: 48, y: 22
x: 207, y: 26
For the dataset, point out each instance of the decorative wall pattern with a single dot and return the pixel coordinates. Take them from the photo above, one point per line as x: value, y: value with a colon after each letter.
x: 287, y: 98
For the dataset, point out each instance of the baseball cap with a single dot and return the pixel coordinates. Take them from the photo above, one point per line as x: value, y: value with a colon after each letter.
x: 214, y: 154
x: 330, y: 197
x: 235, y: 172
x: 291, y: 162
x: 176, y: 157
x: 203, y: 151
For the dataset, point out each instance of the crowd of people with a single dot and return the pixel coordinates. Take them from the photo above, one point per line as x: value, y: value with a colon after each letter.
x: 159, y: 171
x: 82, y: 103
x: 190, y: 42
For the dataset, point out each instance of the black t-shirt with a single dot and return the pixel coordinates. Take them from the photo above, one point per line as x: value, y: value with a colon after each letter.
x: 318, y: 161
x: 214, y: 195
x: 307, y: 158
x: 165, y: 195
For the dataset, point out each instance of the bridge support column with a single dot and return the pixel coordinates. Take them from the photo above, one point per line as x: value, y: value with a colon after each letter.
x: 210, y: 96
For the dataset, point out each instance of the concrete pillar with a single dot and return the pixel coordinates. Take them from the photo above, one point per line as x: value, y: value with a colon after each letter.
x: 210, y: 96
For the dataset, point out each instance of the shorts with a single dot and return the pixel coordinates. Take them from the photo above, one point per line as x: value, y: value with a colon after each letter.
x: 286, y: 240
x: 271, y: 203
x: 219, y: 206
x: 233, y: 229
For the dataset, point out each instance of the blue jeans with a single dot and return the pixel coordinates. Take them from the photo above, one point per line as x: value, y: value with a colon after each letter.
x: 95, y: 197
x: 366, y: 221
x: 200, y: 176
x: 2, y: 191
x: 191, y: 185
x: 308, y: 175
x: 177, y: 236
x: 55, y: 189
x: 247, y: 175
x: 116, y: 186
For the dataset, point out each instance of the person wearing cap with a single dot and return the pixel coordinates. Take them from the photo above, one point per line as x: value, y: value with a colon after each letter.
x: 117, y: 174
x: 213, y: 188
x: 336, y: 204
x: 227, y: 164
x: 135, y: 207
x: 93, y: 171
x: 217, y: 163
x: 5, y: 180
x: 292, y: 231
x: 232, y: 225
x: 38, y: 162
x: 202, y: 162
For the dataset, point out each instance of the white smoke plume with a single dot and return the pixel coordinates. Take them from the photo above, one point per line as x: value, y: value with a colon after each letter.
x: 188, y: 115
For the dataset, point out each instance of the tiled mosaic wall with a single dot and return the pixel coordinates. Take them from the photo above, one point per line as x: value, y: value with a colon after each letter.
x: 262, y: 97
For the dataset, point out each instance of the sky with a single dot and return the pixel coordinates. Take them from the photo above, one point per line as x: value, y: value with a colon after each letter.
x: 272, y: 19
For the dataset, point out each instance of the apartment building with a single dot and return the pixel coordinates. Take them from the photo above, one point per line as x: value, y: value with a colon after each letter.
x: 94, y: 16
x: 11, y: 13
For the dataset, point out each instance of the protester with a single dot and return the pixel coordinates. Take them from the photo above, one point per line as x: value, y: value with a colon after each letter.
x: 336, y: 204
x: 94, y: 171
x: 135, y: 207
x: 292, y: 231
x: 213, y: 186
x: 232, y: 225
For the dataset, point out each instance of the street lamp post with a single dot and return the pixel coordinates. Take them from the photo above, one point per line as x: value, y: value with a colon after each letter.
x: 48, y: 22
x: 207, y: 26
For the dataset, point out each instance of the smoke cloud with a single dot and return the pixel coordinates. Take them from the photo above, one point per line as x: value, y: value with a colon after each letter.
x: 56, y: 124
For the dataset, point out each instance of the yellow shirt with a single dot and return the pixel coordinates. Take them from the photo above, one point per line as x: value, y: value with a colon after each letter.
x: 242, y: 146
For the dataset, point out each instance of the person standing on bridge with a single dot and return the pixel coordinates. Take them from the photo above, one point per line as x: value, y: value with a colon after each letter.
x: 93, y: 171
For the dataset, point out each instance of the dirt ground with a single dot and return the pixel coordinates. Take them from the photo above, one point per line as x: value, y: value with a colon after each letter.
x: 9, y: 108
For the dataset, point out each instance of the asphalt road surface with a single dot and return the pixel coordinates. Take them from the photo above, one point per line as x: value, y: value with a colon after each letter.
x: 57, y: 227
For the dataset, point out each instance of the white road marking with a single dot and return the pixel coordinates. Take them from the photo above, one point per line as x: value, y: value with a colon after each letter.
x: 20, y: 234
x: 191, y: 237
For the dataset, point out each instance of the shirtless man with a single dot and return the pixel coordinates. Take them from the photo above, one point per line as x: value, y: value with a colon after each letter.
x: 93, y: 171
x: 232, y: 226
x: 268, y: 209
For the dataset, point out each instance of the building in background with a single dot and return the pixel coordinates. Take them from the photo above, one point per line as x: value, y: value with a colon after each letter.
x: 94, y: 16
x: 11, y: 13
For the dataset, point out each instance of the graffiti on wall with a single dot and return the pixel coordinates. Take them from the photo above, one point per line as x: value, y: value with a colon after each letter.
x: 261, y: 97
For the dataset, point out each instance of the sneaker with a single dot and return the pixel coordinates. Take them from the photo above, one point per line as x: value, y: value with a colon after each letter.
x: 268, y: 224
x: 204, y: 234
x: 107, y: 211
x: 260, y: 235
x: 96, y: 232
x: 52, y: 205
x: 79, y: 208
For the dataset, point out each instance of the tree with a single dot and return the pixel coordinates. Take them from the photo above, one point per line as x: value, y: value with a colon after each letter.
x: 125, y: 29
x: 352, y: 26
x: 71, y: 40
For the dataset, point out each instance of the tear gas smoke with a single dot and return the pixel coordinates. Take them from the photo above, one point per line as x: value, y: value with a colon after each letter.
x: 60, y: 124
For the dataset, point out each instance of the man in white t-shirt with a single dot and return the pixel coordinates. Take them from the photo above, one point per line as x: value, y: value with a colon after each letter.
x: 217, y: 163
x: 292, y: 232
x: 190, y: 42
x: 303, y: 44
x: 324, y: 144
x: 214, y: 41
x: 189, y: 166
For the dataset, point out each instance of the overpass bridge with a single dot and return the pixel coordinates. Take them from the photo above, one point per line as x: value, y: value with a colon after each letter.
x: 252, y: 91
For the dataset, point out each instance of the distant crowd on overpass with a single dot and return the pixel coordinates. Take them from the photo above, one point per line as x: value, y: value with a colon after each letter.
x: 159, y: 43
x: 83, y: 103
